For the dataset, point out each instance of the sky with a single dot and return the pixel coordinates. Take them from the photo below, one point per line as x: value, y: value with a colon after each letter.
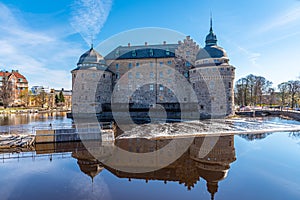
x: 44, y: 39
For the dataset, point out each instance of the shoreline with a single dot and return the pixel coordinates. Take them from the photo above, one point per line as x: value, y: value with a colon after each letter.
x: 30, y: 111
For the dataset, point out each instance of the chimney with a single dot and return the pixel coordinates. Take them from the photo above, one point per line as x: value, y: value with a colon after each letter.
x: 146, y: 43
x: 188, y: 37
x: 165, y: 42
x: 129, y: 44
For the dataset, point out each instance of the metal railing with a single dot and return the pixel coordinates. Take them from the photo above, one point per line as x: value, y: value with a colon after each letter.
x: 4, y: 157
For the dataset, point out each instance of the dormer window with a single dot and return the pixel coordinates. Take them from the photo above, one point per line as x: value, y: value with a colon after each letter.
x: 133, y: 53
x: 117, y: 53
x: 151, y: 52
x: 167, y: 52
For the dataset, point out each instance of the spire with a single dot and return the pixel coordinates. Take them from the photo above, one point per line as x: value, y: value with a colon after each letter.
x: 92, y: 41
x: 211, y: 25
x: 211, y: 38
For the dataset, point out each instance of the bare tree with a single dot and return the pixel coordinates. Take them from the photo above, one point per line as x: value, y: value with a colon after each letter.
x: 294, y: 89
x: 284, y: 92
x: 6, y: 94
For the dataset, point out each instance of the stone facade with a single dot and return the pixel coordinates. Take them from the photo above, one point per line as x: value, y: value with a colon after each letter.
x: 175, y: 76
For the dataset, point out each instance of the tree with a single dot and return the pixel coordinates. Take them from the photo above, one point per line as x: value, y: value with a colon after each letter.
x: 6, y: 94
x: 284, y: 92
x: 41, y: 98
x: 25, y: 97
x: 250, y: 89
x: 61, y: 97
x: 294, y: 89
x: 56, y: 99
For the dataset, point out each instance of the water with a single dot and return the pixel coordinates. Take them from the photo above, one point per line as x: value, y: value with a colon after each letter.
x: 24, y: 123
x: 261, y: 166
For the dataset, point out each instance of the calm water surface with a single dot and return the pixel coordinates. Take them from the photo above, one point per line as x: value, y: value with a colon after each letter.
x: 238, y: 167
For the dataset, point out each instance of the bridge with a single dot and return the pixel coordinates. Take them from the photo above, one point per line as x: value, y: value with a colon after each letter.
x: 270, y: 112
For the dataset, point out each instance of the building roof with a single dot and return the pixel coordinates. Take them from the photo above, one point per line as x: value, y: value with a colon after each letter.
x: 91, y: 57
x: 211, y: 49
x: 143, y: 51
x: 211, y: 52
x: 16, y: 74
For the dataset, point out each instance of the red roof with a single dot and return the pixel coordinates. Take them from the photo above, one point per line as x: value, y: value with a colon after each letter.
x: 16, y: 74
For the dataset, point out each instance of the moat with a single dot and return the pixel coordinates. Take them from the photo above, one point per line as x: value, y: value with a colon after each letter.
x: 248, y: 166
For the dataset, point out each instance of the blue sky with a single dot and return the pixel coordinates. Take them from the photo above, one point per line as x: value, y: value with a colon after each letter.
x: 41, y: 40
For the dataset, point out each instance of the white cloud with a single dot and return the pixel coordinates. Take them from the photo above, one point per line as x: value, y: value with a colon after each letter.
x: 288, y: 17
x: 251, y: 56
x: 43, y: 57
x: 89, y: 16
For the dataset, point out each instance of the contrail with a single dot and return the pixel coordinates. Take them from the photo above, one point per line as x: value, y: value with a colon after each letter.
x: 89, y: 16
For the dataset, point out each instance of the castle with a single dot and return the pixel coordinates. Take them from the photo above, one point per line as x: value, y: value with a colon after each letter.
x: 176, y: 77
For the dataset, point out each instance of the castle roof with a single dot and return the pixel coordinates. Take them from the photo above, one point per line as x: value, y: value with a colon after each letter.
x: 211, y: 49
x: 143, y: 51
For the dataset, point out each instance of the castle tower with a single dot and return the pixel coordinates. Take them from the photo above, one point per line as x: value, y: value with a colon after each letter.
x: 213, y: 78
x: 91, y: 83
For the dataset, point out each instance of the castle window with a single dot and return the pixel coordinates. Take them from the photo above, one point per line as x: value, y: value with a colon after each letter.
x: 194, y: 85
x: 161, y: 74
x: 117, y: 66
x: 103, y: 75
x: 137, y: 64
x: 169, y: 80
x: 151, y: 87
x: 184, y: 99
x: 169, y: 71
x: 161, y: 87
x: 227, y: 69
x: 138, y: 75
x: 161, y: 64
x: 221, y: 107
x: 151, y: 75
x: 187, y: 64
x: 117, y: 75
x: 129, y: 75
x: 151, y: 64
x: 202, y: 107
x: 229, y: 84
x: 169, y: 62
x: 188, y: 53
x: 186, y: 74
x: 129, y: 65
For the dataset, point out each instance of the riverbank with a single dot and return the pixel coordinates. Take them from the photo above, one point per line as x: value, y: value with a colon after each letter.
x: 9, y: 111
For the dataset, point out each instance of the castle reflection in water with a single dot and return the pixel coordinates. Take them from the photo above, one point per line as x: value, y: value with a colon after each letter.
x: 186, y: 170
